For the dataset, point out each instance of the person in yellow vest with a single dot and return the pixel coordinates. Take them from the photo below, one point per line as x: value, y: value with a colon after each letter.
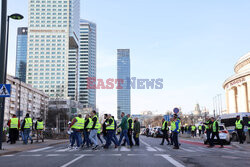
x: 130, y: 130
x: 176, y: 130
x: 239, y: 127
x: 27, y: 126
x: 94, y: 128
x: 14, y: 125
x: 39, y: 126
x: 164, y: 130
x: 215, y: 127
x: 86, y: 130
x: 110, y: 128
x: 200, y: 129
x: 193, y: 129
x: 77, y: 126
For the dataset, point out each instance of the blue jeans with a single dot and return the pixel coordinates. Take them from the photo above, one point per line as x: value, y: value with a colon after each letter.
x: 93, y: 136
x: 26, y: 134
x: 114, y: 139
x: 76, y: 137
x: 209, y: 132
x: 86, y: 137
x: 124, y: 133
x: 99, y: 137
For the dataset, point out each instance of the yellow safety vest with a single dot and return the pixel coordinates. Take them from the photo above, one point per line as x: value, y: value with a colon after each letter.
x: 96, y: 124
x: 200, y: 127
x: 28, y: 123
x: 214, y: 126
x: 14, y: 123
x: 238, y: 124
x: 89, y: 124
x: 79, y: 124
x: 132, y: 125
x: 172, y: 125
x: 39, y: 125
x: 193, y: 128
x: 99, y: 129
x: 248, y: 125
x: 164, y: 125
x: 112, y: 126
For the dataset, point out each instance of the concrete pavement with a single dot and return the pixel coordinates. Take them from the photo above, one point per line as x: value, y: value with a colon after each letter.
x: 150, y: 153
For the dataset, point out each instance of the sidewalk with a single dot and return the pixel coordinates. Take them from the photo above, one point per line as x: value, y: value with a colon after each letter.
x: 19, y: 146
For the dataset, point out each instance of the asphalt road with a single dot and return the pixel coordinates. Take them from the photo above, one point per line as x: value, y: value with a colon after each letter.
x: 150, y: 153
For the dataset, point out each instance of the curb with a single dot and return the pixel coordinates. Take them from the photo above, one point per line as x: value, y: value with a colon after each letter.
x: 17, y: 151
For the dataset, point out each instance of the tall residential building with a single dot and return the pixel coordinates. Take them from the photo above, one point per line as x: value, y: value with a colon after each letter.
x: 87, y: 63
x: 53, y: 47
x: 123, y: 72
x: 21, y: 53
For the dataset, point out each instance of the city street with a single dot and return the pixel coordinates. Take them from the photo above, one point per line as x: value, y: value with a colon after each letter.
x: 150, y: 153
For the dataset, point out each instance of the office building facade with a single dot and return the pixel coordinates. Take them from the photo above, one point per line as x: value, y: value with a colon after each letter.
x: 123, y: 73
x: 53, y: 41
x: 87, y: 63
x: 21, y: 53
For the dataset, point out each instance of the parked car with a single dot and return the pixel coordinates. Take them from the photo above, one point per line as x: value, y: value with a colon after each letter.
x: 158, y: 133
x: 223, y: 133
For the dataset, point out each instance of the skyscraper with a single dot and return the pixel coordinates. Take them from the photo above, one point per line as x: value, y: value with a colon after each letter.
x: 123, y: 72
x: 53, y: 47
x: 87, y: 63
x: 21, y: 53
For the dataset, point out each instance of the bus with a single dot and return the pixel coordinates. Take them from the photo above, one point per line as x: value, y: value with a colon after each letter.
x: 229, y: 122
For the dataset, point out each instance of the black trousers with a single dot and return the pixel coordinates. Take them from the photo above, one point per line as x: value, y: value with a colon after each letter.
x: 199, y: 132
x: 130, y: 134
x: 218, y: 138
x: 13, y: 135
x: 165, y: 136
x: 240, y: 135
x: 175, y: 139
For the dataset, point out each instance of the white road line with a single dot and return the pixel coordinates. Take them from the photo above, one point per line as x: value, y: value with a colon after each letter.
x: 32, y: 155
x: 124, y: 149
x: 133, y: 155
x: 40, y: 149
x: 54, y: 155
x: 171, y: 160
x: 111, y: 155
x: 74, y: 160
x: 145, y: 143
x: 188, y: 150
x: 159, y: 149
x: 151, y: 149
x: 63, y: 150
x: 7, y: 156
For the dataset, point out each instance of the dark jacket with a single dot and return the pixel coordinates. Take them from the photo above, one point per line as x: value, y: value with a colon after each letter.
x: 124, y: 123
x: 94, y: 122
x: 137, y: 127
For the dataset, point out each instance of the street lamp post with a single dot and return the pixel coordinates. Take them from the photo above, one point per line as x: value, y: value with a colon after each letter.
x: 20, y: 92
x: 4, y: 56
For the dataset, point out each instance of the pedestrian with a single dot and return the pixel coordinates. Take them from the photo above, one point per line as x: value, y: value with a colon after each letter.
x: 114, y: 138
x: 172, y: 129
x: 215, y: 133
x: 130, y: 130
x: 14, y: 125
x: 164, y: 130
x: 203, y: 129
x: 110, y: 127
x: 99, y: 130
x: 26, y: 125
x: 200, y: 129
x: 93, y: 131
x: 86, y: 130
x: 239, y: 127
x: 249, y: 126
x: 147, y: 132
x: 124, y: 127
x: 182, y: 129
x: 77, y: 125
x: 193, y: 129
x: 39, y: 129
x: 176, y: 131
x: 137, y: 129
x: 208, y: 126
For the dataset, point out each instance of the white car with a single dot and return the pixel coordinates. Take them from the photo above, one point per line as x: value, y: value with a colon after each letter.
x: 223, y: 133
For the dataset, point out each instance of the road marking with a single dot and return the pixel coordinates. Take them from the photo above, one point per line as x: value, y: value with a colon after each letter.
x: 171, y: 160
x: 41, y: 149
x: 111, y: 155
x: 63, y: 150
x: 145, y: 143
x: 159, y: 149
x: 151, y: 149
x: 7, y: 156
x: 32, y: 155
x: 133, y: 155
x: 188, y: 150
x: 124, y: 149
x: 74, y: 160
x: 54, y: 155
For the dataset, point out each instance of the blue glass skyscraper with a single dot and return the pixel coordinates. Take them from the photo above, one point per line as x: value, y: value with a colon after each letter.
x: 123, y: 73
x: 21, y: 53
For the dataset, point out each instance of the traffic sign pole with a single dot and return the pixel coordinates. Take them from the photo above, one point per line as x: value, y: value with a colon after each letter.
x: 3, y: 64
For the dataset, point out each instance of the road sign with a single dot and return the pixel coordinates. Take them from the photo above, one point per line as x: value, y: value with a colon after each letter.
x: 5, y: 90
x: 168, y: 117
x: 176, y: 110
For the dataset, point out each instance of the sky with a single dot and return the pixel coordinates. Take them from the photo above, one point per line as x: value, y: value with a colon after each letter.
x: 192, y: 45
